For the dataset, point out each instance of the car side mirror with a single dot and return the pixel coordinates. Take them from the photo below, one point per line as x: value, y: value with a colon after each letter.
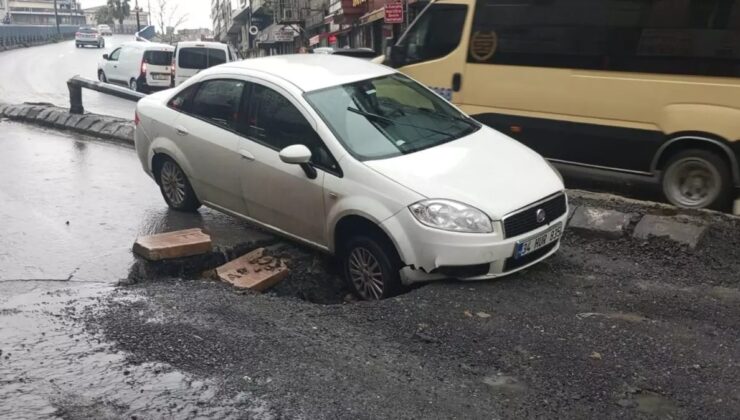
x: 105, y: 56
x: 299, y: 154
x: 395, y: 55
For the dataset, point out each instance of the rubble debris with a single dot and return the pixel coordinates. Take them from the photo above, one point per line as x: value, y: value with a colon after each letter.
x: 600, y: 222
x: 687, y: 231
x: 177, y: 244
x: 255, y: 271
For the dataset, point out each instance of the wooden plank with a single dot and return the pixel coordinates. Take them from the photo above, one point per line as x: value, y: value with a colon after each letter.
x: 254, y: 271
x: 178, y: 244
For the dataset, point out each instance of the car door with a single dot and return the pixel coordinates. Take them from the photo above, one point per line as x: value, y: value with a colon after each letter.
x: 111, y: 66
x: 205, y: 131
x: 279, y: 194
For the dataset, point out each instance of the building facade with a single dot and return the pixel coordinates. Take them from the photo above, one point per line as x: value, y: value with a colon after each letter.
x: 41, y: 12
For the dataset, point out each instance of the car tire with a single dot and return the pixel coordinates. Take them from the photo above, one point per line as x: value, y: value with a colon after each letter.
x: 372, y: 267
x: 697, y: 178
x: 176, y: 188
x: 134, y: 85
x: 101, y: 76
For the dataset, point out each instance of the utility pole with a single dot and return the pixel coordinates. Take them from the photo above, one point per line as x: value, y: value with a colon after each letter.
x: 138, y: 24
x: 56, y: 18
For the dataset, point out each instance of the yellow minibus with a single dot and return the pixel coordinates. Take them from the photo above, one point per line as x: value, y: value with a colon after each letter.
x: 643, y: 87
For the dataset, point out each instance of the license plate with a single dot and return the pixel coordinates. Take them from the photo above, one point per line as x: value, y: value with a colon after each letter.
x: 159, y: 76
x: 534, y: 243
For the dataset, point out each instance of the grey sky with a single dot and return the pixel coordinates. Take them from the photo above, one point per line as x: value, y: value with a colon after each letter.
x: 198, y: 11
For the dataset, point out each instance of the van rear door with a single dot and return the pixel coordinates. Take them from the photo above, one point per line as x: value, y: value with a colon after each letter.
x: 191, y: 60
x: 158, y: 62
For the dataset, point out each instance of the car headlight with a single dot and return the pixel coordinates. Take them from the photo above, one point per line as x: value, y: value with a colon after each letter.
x: 451, y: 215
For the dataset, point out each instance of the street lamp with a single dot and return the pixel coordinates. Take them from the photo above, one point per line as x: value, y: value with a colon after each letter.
x: 56, y: 17
x: 138, y: 24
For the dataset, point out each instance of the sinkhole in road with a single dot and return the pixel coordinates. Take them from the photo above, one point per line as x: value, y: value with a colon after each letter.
x: 313, y: 277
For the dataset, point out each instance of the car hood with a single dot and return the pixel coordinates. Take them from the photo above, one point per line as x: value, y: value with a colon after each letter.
x: 486, y: 169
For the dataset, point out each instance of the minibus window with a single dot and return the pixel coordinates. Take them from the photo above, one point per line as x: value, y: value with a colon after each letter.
x: 436, y: 33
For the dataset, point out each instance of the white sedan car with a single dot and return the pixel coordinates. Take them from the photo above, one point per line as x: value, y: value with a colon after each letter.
x: 357, y: 160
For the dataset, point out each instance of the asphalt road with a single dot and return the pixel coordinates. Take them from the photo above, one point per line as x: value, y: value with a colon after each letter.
x: 40, y: 74
x: 605, y: 329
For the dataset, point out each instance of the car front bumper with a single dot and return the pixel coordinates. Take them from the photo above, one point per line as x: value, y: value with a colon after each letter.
x: 431, y: 254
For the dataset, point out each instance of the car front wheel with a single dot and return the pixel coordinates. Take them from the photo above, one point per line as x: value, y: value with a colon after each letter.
x: 372, y: 267
x: 176, y: 188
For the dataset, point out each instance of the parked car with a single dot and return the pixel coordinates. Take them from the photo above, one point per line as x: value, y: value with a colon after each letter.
x: 105, y: 30
x: 142, y: 66
x: 191, y: 57
x: 357, y: 160
x: 87, y: 35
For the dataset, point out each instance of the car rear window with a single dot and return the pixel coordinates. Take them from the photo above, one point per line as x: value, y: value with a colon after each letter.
x: 200, y: 58
x: 87, y: 30
x: 158, y: 58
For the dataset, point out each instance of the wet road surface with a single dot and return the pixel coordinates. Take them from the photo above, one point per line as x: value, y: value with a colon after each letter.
x: 71, y: 209
x: 605, y: 329
x: 40, y: 74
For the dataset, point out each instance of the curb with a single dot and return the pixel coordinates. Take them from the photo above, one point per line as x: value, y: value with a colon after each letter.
x: 47, y: 115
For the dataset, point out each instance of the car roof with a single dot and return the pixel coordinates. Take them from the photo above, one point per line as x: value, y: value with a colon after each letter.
x: 311, y: 72
x: 204, y: 44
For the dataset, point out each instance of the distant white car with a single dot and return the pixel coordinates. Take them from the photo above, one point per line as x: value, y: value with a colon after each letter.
x: 142, y: 66
x: 105, y: 30
x: 87, y: 35
x: 357, y: 160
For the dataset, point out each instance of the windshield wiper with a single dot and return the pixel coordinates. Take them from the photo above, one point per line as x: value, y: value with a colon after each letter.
x: 376, y: 117
x: 449, y: 117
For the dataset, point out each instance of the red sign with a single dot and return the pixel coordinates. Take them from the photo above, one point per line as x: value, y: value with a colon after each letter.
x: 394, y: 13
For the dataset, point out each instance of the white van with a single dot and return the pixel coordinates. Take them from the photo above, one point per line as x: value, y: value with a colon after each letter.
x: 193, y: 56
x: 142, y: 66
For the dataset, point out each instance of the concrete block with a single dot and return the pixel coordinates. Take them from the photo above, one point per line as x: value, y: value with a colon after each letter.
x: 109, y: 128
x: 61, y: 118
x: 33, y: 112
x: 24, y: 111
x: 684, y: 231
x: 12, y: 111
x: 44, y: 114
x: 3, y: 107
x: 255, y: 271
x: 181, y: 243
x: 599, y: 222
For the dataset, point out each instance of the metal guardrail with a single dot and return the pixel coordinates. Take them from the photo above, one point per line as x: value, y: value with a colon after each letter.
x: 11, y: 35
x: 76, y: 84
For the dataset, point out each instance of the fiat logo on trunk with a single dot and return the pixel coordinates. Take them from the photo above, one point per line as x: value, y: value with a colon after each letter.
x: 541, y: 215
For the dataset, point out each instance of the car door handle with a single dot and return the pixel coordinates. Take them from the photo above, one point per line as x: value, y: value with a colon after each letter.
x: 246, y: 154
x: 181, y: 131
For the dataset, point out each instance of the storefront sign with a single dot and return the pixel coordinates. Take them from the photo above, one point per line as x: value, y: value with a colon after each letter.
x: 394, y: 13
x: 314, y: 40
x: 284, y: 35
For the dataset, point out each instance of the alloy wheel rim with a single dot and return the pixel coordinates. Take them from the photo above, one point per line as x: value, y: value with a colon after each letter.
x: 366, y: 274
x: 693, y: 182
x: 173, y: 183
x: 133, y: 85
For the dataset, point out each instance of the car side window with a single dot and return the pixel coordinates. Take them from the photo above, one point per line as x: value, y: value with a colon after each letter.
x: 217, y: 101
x: 275, y: 122
x: 114, y: 55
x: 182, y: 101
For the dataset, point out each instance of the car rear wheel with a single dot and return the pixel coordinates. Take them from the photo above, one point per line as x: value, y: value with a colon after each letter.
x: 697, y: 178
x: 176, y: 188
x: 134, y: 85
x: 372, y: 267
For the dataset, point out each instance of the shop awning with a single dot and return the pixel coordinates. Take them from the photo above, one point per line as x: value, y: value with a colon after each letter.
x: 370, y: 17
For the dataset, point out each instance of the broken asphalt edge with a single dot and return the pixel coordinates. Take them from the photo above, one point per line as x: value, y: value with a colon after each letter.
x: 48, y: 115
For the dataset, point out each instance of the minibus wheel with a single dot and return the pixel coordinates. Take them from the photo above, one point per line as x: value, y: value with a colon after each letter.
x: 697, y: 178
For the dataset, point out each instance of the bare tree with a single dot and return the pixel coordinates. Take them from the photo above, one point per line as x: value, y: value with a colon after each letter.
x: 168, y: 16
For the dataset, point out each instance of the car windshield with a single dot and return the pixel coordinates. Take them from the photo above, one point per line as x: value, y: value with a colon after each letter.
x: 389, y: 116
